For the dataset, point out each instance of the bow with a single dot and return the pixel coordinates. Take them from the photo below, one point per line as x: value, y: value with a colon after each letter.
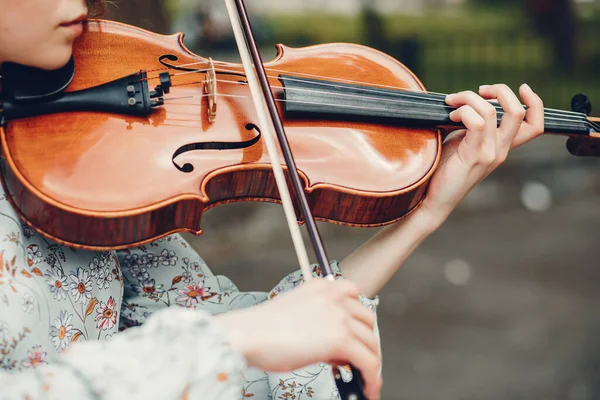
x: 263, y: 100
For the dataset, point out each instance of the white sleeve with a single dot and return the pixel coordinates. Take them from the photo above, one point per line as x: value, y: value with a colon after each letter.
x: 177, y: 354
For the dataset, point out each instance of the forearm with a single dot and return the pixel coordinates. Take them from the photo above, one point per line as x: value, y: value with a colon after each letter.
x: 178, y: 353
x: 373, y: 264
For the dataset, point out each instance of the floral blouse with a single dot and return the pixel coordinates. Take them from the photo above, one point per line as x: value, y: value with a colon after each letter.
x: 101, y: 325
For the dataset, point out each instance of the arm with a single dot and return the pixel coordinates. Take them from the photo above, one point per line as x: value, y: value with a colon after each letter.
x: 467, y: 158
x: 316, y: 377
x: 274, y: 335
x: 176, y: 354
x: 373, y: 264
x: 184, y: 353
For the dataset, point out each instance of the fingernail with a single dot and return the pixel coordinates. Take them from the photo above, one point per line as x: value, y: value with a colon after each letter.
x: 526, y: 86
x: 484, y: 87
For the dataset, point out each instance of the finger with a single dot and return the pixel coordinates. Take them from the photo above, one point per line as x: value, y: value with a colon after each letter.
x: 482, y: 107
x: 469, y: 118
x: 368, y: 363
x: 534, y: 123
x: 473, y: 142
x: 514, y: 113
x: 361, y: 313
x: 336, y: 290
x: 366, y: 335
x: 492, y: 100
x: 347, y: 288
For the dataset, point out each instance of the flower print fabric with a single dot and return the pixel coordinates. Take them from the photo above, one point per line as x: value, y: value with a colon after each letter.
x: 59, y: 320
x: 168, y: 272
x: 61, y: 310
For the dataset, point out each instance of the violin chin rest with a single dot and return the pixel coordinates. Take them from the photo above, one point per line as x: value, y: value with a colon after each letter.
x: 28, y: 84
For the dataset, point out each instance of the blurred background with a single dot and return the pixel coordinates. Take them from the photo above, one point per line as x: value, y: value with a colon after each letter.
x: 502, y: 301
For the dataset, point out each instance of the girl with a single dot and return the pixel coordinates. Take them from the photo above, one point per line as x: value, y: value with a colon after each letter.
x: 61, y: 308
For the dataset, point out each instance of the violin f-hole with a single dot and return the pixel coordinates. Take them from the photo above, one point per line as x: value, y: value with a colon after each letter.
x: 187, y: 167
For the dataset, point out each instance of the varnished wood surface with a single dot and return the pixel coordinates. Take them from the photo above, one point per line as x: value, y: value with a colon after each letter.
x: 98, y: 180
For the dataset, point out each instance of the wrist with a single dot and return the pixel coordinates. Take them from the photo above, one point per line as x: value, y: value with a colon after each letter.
x: 428, y: 219
x: 239, y: 334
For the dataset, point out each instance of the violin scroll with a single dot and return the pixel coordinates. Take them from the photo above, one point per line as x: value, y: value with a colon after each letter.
x: 587, y: 146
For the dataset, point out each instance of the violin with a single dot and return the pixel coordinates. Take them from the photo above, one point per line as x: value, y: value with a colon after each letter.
x: 137, y: 137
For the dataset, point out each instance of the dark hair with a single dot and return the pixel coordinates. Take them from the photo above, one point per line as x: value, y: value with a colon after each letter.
x: 95, y: 7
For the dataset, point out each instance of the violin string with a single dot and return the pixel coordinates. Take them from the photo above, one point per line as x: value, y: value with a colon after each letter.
x: 340, y: 80
x: 560, y: 123
x: 418, y: 95
x: 438, y: 104
x: 429, y: 97
x: 428, y: 102
x: 595, y: 125
x: 548, y: 116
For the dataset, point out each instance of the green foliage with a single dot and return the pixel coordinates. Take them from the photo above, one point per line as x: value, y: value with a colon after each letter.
x: 325, y: 28
x: 496, y: 3
x: 463, y: 50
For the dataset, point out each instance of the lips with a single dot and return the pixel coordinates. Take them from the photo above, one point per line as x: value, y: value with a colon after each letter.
x: 75, y: 21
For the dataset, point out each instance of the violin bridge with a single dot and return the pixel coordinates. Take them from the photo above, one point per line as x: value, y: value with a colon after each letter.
x: 210, y: 88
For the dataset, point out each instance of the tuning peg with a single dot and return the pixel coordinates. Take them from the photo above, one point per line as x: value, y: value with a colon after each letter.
x: 581, y: 104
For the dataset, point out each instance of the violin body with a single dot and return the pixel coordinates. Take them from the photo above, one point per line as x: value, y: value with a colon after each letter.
x: 98, y: 180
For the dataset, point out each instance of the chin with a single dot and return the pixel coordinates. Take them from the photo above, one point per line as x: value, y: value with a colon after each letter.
x: 50, y: 59
x: 56, y: 61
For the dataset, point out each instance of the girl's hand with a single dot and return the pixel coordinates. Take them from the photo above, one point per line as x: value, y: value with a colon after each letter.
x: 471, y: 154
x: 468, y: 156
x: 320, y: 321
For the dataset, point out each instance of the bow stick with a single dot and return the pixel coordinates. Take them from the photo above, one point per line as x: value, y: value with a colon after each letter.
x: 250, y: 56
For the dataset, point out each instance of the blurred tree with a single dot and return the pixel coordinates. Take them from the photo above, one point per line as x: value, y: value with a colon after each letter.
x: 557, y: 21
x: 405, y: 49
x: 148, y: 14
x: 373, y: 26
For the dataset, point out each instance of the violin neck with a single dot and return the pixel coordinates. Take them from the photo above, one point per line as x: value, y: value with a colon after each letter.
x: 311, y: 98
